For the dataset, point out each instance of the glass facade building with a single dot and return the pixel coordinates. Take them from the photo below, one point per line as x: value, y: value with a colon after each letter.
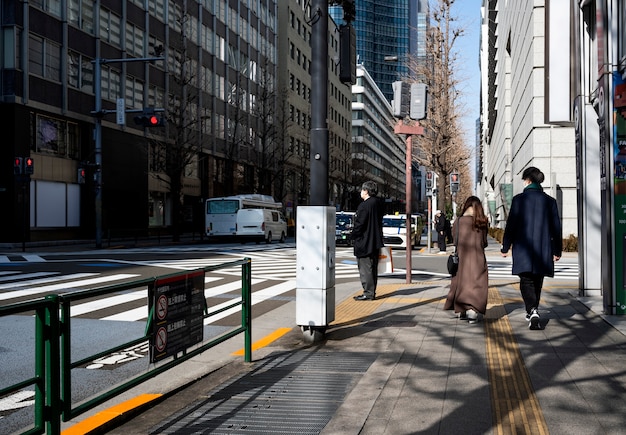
x: 386, y: 32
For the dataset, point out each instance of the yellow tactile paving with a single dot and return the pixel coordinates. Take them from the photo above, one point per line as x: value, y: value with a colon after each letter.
x: 514, y: 404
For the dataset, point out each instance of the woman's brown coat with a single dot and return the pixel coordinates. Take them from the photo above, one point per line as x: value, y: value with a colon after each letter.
x: 468, y: 289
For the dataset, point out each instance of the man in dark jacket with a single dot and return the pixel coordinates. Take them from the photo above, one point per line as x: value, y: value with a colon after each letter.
x: 367, y: 235
x: 534, y: 229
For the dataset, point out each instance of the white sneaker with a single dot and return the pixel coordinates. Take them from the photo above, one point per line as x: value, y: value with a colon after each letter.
x: 534, y: 320
x: 472, y: 316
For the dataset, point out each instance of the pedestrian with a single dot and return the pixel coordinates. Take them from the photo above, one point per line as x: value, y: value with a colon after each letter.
x: 440, y: 226
x: 367, y: 236
x: 469, y: 287
x: 533, y: 228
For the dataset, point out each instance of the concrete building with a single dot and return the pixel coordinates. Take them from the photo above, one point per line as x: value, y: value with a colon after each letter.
x: 294, y: 109
x: 230, y: 89
x: 525, y: 115
x: 226, y: 53
x: 378, y: 154
x: 598, y: 35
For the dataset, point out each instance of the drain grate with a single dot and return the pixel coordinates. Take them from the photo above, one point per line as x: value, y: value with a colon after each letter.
x: 288, y: 393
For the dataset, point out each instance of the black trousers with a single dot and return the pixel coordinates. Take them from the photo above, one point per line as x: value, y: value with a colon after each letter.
x: 368, y: 272
x: 441, y: 240
x: 530, y: 286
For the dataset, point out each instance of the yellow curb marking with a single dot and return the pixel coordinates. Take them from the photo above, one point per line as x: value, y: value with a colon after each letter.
x: 103, y: 417
x: 265, y: 340
x: 515, y: 406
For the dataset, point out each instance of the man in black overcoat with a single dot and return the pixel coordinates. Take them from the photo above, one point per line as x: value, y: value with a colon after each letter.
x: 367, y: 236
x: 534, y: 229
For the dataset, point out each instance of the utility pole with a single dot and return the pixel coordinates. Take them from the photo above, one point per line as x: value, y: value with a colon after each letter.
x: 319, y: 102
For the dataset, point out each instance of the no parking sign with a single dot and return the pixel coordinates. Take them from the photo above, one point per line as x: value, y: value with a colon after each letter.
x: 177, y: 304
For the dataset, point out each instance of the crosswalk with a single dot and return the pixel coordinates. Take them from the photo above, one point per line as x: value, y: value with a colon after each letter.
x: 273, y: 275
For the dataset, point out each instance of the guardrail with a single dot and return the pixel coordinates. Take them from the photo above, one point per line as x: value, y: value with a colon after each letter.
x: 52, y: 380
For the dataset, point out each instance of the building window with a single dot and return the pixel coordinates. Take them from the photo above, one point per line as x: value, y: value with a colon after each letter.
x: 110, y: 27
x: 134, y: 92
x: 53, y: 7
x: 44, y: 58
x: 80, y: 14
x: 134, y: 40
x: 56, y: 137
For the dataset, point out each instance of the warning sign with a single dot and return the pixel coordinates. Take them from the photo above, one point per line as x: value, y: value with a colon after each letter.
x: 178, y: 304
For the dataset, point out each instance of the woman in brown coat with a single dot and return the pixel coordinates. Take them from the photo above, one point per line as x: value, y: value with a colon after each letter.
x: 468, y: 289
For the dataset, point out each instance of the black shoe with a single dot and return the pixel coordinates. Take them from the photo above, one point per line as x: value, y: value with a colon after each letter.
x: 363, y: 298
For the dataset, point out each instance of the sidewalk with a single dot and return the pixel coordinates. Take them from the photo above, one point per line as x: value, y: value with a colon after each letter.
x: 402, y: 365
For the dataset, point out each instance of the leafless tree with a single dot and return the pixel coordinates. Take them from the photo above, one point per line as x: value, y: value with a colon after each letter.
x: 442, y: 147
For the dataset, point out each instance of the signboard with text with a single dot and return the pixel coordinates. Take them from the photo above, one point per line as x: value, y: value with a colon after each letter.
x: 177, y: 304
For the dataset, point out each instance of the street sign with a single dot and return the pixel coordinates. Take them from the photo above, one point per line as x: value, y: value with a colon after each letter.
x: 120, y: 112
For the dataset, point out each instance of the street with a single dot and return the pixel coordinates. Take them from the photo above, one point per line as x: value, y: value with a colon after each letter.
x: 100, y: 323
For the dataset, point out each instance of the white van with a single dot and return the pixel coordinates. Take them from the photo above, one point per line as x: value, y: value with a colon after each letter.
x: 261, y: 224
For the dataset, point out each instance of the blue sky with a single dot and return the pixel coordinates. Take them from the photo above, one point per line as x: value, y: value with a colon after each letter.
x: 467, y: 12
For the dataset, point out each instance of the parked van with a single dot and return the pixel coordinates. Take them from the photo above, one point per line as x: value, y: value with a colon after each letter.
x: 261, y: 224
x: 394, y: 230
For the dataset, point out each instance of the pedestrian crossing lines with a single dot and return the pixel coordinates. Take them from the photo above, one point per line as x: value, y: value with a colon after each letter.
x: 132, y: 305
x: 501, y: 269
x: 275, y: 265
x: 31, y: 258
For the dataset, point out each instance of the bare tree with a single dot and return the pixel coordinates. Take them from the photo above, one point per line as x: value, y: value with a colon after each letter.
x: 441, y: 148
x: 172, y: 154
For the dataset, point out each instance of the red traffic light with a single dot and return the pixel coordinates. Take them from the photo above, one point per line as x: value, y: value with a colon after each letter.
x: 18, y: 167
x: 29, y: 165
x: 149, y: 119
x: 81, y: 175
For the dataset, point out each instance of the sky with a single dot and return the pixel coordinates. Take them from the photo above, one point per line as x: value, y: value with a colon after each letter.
x: 467, y: 12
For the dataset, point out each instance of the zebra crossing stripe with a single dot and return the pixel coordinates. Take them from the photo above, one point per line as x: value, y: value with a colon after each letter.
x: 65, y: 286
x: 23, y: 277
x: 34, y: 282
x: 141, y: 313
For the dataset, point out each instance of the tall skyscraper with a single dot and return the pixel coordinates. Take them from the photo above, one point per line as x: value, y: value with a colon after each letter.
x: 386, y: 32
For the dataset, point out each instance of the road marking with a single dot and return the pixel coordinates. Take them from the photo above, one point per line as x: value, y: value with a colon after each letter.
x: 45, y: 280
x: 23, y: 276
x: 265, y: 340
x: 111, y: 414
x: 19, y: 400
x: 66, y: 285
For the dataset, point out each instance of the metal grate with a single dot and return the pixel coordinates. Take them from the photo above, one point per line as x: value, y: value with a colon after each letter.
x: 288, y: 393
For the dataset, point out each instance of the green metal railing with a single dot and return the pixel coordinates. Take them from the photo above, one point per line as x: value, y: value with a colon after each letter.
x: 52, y: 381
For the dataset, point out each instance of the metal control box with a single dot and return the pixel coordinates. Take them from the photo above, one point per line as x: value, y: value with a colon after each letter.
x: 315, y: 264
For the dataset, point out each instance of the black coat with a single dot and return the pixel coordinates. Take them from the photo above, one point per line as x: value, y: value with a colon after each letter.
x: 367, y: 233
x: 534, y: 229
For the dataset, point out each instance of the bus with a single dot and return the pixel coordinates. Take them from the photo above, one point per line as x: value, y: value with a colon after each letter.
x: 245, y: 217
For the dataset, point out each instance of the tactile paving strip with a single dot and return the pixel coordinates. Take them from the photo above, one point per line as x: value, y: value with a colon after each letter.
x: 289, y: 393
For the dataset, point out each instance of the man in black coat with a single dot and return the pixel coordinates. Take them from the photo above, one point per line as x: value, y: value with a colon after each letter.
x: 367, y: 235
x: 534, y: 229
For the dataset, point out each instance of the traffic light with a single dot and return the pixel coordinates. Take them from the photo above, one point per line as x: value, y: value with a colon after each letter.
x: 454, y: 182
x: 417, y: 107
x: 429, y: 179
x: 81, y: 175
x: 18, y: 166
x: 29, y: 166
x: 401, y: 98
x: 149, y: 119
